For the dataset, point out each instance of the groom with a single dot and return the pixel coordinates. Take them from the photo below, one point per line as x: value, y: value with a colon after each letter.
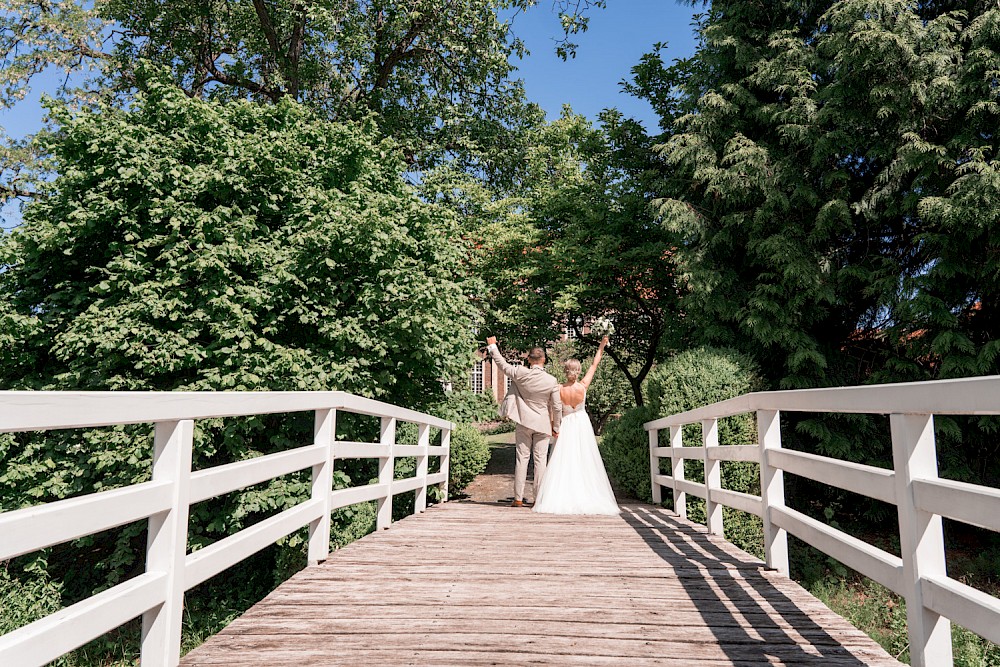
x: 536, y: 408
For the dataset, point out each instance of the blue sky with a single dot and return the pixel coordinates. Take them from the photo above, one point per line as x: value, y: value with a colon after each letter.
x: 617, y: 39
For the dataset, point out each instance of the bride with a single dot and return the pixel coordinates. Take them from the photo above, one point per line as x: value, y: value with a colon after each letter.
x: 575, y: 481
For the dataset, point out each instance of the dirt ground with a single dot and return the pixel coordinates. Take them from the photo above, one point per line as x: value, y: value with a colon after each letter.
x: 496, y: 483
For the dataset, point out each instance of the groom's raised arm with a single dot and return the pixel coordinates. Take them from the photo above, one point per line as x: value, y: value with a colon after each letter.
x: 505, y: 368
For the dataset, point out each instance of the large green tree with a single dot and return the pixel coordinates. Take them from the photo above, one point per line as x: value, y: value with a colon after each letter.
x: 579, y: 240
x: 824, y: 150
x: 437, y: 76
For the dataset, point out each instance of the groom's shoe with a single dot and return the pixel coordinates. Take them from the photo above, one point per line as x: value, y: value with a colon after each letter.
x: 517, y: 503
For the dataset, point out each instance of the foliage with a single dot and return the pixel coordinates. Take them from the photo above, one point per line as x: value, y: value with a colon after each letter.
x: 437, y: 77
x: 625, y: 450
x: 465, y: 406
x: 192, y: 245
x: 577, y: 240
x: 469, y: 455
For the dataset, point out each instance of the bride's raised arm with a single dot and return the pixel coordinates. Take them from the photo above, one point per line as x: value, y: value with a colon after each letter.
x: 593, y: 367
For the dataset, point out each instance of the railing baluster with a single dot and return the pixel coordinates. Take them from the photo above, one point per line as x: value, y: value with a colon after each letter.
x: 772, y: 490
x: 324, y: 433
x: 423, y: 441
x: 713, y: 476
x: 445, y: 462
x: 921, y: 538
x: 654, y: 465
x: 677, y: 472
x: 386, y: 472
x: 166, y: 544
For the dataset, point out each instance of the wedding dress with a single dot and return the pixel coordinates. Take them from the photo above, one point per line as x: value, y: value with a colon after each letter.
x: 575, y: 481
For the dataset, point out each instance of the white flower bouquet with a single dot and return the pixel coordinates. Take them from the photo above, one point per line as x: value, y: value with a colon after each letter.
x: 602, y: 326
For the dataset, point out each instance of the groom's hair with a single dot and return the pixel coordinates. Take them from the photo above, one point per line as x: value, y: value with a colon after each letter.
x: 536, y: 355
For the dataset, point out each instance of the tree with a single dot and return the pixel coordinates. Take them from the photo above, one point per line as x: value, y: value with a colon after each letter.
x: 580, y: 240
x: 437, y: 75
x: 196, y: 245
x: 808, y: 138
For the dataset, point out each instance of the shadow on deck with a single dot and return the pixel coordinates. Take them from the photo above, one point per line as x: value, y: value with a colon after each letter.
x: 476, y: 584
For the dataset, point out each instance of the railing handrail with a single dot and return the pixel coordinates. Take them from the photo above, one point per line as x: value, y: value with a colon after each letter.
x: 963, y: 396
x: 50, y: 410
x: 933, y: 599
x: 157, y: 595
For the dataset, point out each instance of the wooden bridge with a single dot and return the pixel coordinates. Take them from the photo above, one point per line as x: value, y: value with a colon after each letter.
x: 475, y: 584
x: 466, y: 583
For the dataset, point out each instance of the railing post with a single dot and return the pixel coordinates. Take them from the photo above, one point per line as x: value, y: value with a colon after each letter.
x: 921, y: 538
x: 324, y: 433
x: 166, y: 544
x: 423, y: 441
x: 713, y: 476
x: 445, y: 462
x: 654, y: 465
x: 386, y: 471
x: 677, y: 471
x: 772, y: 490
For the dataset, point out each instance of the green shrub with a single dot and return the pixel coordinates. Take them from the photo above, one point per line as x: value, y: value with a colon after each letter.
x: 466, y: 407
x: 625, y: 450
x: 690, y: 380
x: 469, y: 455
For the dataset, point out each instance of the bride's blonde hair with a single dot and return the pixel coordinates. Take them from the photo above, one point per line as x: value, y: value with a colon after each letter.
x: 572, y: 369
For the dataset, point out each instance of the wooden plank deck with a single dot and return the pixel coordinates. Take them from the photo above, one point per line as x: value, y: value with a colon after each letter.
x: 476, y: 584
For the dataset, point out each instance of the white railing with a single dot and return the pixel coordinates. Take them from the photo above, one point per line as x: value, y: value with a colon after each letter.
x: 158, y: 594
x: 933, y: 599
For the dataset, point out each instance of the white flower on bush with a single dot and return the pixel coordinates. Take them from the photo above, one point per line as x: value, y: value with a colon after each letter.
x: 602, y: 326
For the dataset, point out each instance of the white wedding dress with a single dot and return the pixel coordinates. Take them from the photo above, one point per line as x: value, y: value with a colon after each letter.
x: 575, y: 481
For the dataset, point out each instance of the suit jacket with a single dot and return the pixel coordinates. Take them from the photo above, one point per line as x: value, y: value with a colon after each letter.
x: 536, y: 403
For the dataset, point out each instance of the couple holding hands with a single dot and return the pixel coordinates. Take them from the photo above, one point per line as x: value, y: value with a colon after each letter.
x: 573, y: 481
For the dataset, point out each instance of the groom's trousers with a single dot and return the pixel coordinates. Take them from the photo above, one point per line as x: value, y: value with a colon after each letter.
x: 529, y: 443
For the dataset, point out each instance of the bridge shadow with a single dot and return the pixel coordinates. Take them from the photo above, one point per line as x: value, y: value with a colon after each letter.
x: 720, y: 584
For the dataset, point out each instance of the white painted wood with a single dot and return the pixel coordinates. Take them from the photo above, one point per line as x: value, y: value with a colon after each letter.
x: 324, y: 434
x: 921, y: 538
x: 654, y: 465
x: 445, y: 462
x: 48, y: 638
x: 713, y: 476
x: 685, y: 486
x: 423, y: 442
x: 965, y: 605
x: 357, y: 494
x: 41, y: 410
x: 664, y: 480
x: 166, y: 544
x: 969, y: 503
x: 437, y: 450
x: 662, y: 452
x: 677, y: 472
x: 870, y: 561
x: 213, y: 559
x: 744, y: 502
x: 865, y: 480
x: 34, y: 528
x: 750, y: 453
x: 690, y: 453
x: 408, y: 484
x: 218, y: 480
x: 386, y: 467
x: 772, y: 490
x: 437, y: 478
x: 360, y: 450
x: 965, y: 396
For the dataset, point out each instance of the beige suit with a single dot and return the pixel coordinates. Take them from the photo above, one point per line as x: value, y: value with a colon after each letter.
x: 537, y: 409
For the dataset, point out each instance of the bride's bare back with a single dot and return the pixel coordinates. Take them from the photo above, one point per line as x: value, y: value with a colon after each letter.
x: 573, y: 393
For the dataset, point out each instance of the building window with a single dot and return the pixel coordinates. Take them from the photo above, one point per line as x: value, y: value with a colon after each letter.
x: 477, y: 377
x: 573, y: 324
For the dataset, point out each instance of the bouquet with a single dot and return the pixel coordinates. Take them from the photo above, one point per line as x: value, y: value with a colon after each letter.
x: 602, y: 326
